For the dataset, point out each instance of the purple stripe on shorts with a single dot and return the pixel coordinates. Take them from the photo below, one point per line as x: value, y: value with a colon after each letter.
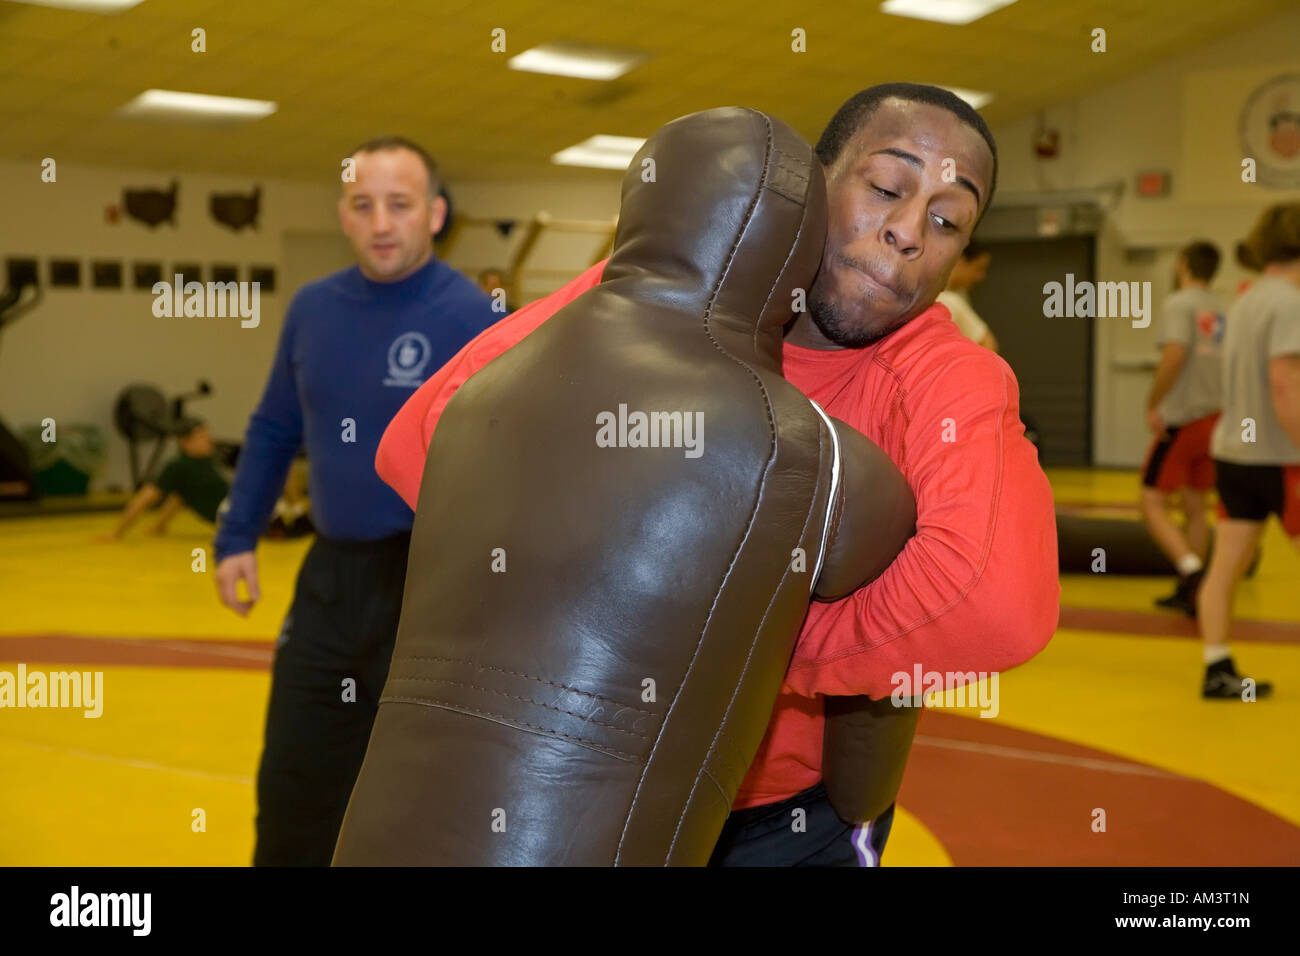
x: 867, y: 855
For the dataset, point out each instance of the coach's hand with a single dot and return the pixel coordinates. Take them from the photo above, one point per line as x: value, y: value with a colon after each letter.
x: 230, y: 571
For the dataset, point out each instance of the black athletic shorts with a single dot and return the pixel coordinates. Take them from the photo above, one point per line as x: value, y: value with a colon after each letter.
x: 801, y: 831
x: 1253, y: 492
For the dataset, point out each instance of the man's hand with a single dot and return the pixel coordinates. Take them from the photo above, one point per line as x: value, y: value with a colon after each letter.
x: 230, y: 571
x: 1155, y: 423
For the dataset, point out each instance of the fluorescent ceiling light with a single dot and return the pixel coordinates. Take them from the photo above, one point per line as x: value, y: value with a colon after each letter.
x: 173, y: 104
x: 976, y: 98
x: 944, y: 11
x: 603, y: 152
x: 95, y: 6
x: 584, y: 62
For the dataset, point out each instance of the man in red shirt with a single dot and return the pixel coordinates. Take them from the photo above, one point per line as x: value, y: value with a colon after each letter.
x: 910, y: 170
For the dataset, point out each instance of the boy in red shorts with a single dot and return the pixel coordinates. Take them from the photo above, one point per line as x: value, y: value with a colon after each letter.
x: 1181, y: 411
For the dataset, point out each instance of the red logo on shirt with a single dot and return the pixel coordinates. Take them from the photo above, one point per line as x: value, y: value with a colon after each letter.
x: 1210, y: 326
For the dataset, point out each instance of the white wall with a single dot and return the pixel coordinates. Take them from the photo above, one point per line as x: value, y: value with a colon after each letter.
x: 1179, y: 116
x: 557, y: 256
x: 68, y: 358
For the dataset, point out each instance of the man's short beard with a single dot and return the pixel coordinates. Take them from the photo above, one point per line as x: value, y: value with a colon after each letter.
x: 830, y: 320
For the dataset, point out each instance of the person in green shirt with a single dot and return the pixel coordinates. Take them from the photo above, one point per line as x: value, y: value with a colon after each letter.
x: 191, y: 480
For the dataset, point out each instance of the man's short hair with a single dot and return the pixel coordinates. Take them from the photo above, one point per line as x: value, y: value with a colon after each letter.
x: 1246, y: 258
x: 1276, y: 236
x: 380, y: 143
x: 859, y: 109
x: 1202, y: 259
x: 185, y: 427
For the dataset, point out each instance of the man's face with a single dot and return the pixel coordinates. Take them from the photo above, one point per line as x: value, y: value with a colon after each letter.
x: 198, y: 443
x: 388, y: 215
x: 977, y: 268
x: 899, y: 218
x: 968, y: 272
x: 491, y: 281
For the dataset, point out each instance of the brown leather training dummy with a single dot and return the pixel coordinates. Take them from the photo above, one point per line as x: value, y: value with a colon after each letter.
x: 864, y: 753
x: 619, y: 526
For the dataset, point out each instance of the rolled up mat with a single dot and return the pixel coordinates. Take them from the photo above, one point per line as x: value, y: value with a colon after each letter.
x: 1128, y: 546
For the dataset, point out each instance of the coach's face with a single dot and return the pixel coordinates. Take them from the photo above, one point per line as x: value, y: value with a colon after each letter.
x: 904, y: 194
x: 388, y: 214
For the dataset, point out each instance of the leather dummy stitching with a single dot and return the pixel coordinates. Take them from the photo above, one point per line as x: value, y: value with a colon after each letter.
x: 509, y: 722
x: 522, y: 700
x: 791, y: 175
x: 781, y: 275
x: 726, y: 760
x: 753, y: 511
x: 540, y: 680
x: 714, y: 780
x: 838, y: 526
x: 748, y: 659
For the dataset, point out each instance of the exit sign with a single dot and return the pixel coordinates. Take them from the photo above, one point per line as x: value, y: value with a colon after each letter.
x: 1153, y: 184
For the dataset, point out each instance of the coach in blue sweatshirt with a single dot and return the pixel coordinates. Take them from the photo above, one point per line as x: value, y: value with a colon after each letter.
x: 354, y: 346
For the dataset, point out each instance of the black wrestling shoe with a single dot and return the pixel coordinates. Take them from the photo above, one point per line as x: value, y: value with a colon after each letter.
x: 1223, y: 683
x: 1184, y: 596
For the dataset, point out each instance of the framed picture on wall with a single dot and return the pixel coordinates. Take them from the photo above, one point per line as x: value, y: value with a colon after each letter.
x: 106, y: 274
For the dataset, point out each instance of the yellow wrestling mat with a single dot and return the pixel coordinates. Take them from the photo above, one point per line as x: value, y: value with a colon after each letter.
x: 124, y: 788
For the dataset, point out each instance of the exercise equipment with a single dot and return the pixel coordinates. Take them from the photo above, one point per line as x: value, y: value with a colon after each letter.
x: 518, y: 270
x: 142, y: 414
x: 17, y: 482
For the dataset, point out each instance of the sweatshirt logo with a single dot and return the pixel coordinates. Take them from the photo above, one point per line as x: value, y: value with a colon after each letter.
x: 407, y: 357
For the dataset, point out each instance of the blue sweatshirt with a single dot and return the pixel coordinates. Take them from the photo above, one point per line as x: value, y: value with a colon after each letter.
x: 351, y: 353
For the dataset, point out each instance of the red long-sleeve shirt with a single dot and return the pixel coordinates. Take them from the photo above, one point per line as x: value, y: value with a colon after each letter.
x: 976, y: 589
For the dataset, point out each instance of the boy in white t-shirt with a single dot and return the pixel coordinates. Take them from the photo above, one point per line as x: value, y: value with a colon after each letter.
x: 1182, y: 408
x: 1256, y: 442
x: 970, y: 270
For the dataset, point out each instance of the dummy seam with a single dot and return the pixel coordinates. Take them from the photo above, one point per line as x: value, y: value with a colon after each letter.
x: 708, y: 309
x: 748, y: 658
x: 714, y: 781
x: 540, y: 680
x: 509, y: 721
x: 522, y: 700
x: 785, y: 265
